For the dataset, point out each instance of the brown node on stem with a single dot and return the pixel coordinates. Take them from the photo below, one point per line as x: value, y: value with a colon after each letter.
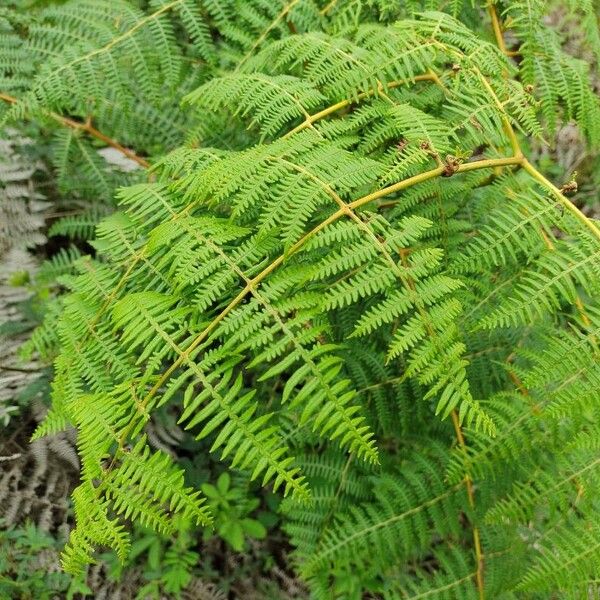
x: 451, y: 165
x: 569, y: 188
x: 401, y: 145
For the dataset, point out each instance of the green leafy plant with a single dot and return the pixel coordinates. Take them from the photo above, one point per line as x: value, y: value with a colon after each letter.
x: 166, y: 562
x: 29, y: 566
x: 347, y: 277
x: 231, y: 507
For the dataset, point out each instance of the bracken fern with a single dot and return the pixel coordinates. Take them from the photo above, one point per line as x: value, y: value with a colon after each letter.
x: 351, y: 282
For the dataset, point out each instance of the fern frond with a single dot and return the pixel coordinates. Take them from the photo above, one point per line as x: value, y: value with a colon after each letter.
x: 559, y: 274
x: 272, y: 101
x: 567, y: 559
x: 400, y: 513
x: 305, y: 286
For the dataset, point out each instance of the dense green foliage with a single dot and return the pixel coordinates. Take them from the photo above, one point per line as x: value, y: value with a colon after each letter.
x: 341, y: 272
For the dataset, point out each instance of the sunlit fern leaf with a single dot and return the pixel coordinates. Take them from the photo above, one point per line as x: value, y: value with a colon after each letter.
x: 99, y: 530
x: 253, y: 24
x: 339, y: 66
x: 272, y: 101
x: 148, y: 320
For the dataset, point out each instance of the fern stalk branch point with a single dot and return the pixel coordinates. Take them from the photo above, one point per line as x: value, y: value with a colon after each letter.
x: 488, y: 163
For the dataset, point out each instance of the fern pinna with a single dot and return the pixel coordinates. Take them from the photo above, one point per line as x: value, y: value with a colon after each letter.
x: 351, y: 283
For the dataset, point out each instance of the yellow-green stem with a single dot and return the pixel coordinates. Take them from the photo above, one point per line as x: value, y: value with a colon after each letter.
x: 562, y: 199
x: 471, y: 497
x: 88, y: 128
x: 430, y: 76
